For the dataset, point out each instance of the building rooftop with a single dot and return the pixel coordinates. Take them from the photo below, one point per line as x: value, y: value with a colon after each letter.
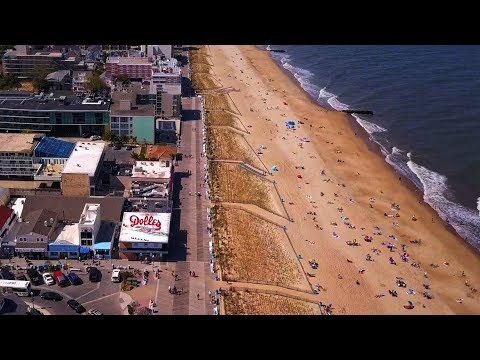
x: 85, y: 158
x: 21, y: 101
x: 156, y: 152
x: 89, y: 213
x: 131, y: 95
x: 67, y: 235
x: 35, y: 222
x: 70, y: 208
x: 21, y: 143
x: 128, y: 61
x: 145, y: 227
x: 57, y: 75
x: 50, y: 170
x: 54, y: 148
x: 151, y: 170
x: 5, y: 214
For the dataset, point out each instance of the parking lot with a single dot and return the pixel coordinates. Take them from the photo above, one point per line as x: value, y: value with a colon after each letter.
x: 103, y: 295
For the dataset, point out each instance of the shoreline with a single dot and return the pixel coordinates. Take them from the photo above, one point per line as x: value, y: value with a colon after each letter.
x: 375, y: 148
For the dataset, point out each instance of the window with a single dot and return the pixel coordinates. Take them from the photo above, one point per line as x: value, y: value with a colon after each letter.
x: 38, y: 239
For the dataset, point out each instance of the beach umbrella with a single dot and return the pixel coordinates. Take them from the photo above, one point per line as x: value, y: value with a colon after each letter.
x: 299, y: 176
x: 408, y: 305
x: 274, y: 168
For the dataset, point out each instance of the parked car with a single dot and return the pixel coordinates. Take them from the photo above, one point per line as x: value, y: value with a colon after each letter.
x: 60, y: 278
x: 95, y: 137
x: 117, y: 147
x: 33, y: 311
x: 35, y: 277
x: 94, y: 275
x: 116, y: 275
x: 74, y: 279
x: 94, y: 312
x: 7, y: 275
x: 48, y: 279
x: 21, y: 277
x: 75, y: 305
x: 128, y: 147
x: 50, y: 295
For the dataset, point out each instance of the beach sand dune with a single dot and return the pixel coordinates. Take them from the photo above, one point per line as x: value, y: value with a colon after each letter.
x: 338, y: 190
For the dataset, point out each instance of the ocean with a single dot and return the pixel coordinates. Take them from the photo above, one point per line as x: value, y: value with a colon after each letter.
x: 426, y: 104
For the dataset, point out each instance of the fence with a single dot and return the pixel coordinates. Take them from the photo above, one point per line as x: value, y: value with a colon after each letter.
x: 270, y: 292
x: 27, y: 192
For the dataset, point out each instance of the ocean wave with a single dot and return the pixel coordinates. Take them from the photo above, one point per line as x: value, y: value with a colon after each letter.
x: 465, y: 221
x: 369, y: 126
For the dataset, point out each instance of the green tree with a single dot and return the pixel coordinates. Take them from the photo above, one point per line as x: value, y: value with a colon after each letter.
x: 96, y: 85
x: 39, y: 80
x: 124, y: 139
x: 104, y: 57
x: 124, y: 79
x: 9, y: 82
x: 107, y: 136
x: 133, y: 139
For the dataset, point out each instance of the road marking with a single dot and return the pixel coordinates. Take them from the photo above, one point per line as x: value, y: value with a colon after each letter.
x: 98, y: 286
x: 101, y: 298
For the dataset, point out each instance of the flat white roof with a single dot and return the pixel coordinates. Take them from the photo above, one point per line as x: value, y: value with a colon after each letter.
x: 152, y: 169
x: 70, y: 234
x: 145, y: 227
x: 18, y: 206
x: 85, y: 158
x: 89, y: 213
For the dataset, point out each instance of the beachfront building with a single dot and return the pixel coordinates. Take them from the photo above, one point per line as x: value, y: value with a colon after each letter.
x: 136, y: 68
x: 166, y: 72
x: 54, y: 115
x: 24, y: 61
x: 59, y: 80
x: 7, y: 218
x: 133, y: 119
x: 81, y: 170
x: 160, y: 51
x: 79, y: 80
x: 16, y: 155
x: 87, y: 225
x: 158, y: 175
x: 144, y: 235
x: 35, y: 233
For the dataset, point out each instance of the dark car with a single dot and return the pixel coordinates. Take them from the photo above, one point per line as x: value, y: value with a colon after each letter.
x: 35, y: 277
x: 94, y: 275
x: 50, y: 295
x: 117, y: 147
x: 21, y: 277
x: 33, y: 311
x: 75, y: 305
x: 74, y: 279
x: 7, y: 275
x: 128, y: 147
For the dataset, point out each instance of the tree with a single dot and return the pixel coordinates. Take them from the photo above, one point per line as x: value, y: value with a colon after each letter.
x: 104, y: 57
x: 124, y: 79
x: 124, y: 139
x: 108, y: 135
x: 9, y: 82
x: 134, y: 140
x: 96, y: 85
x: 39, y: 80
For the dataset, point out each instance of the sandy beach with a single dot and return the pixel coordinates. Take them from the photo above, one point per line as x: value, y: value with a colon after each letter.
x: 377, y: 246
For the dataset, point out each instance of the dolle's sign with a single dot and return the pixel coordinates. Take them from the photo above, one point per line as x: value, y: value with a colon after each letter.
x: 148, y: 220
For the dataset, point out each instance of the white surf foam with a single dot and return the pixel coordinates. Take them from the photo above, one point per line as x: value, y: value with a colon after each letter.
x: 465, y: 221
x: 478, y: 206
x: 368, y: 126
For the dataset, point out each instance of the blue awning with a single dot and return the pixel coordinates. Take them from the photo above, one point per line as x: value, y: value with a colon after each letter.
x: 84, y: 250
x: 102, y: 246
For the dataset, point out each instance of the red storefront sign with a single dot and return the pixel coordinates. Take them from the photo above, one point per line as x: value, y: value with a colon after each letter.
x: 148, y: 220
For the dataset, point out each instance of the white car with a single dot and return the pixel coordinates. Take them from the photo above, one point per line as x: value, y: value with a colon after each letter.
x: 116, y: 277
x: 48, y: 278
x: 94, y: 312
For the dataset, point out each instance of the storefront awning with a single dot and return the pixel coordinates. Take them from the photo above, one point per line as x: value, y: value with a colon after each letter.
x: 84, y: 250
